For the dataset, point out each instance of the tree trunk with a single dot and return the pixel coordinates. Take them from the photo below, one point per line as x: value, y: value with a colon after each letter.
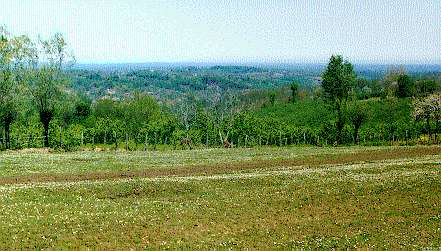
x: 46, y: 134
x: 7, y: 120
x: 428, y: 129
x: 45, y: 119
x: 340, y: 124
x: 436, y: 131
x: 356, y: 129
x: 7, y: 136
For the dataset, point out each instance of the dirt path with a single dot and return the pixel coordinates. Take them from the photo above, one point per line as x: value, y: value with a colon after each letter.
x: 405, y: 155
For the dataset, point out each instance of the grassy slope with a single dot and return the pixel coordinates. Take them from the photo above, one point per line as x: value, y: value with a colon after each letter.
x: 383, y: 199
x: 302, y: 113
x: 314, y: 113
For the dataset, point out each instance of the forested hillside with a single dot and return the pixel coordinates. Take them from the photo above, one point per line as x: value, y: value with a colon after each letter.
x: 171, y: 81
x: 179, y: 82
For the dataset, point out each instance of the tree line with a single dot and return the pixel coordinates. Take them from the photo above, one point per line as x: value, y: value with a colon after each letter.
x: 31, y: 79
x: 38, y: 108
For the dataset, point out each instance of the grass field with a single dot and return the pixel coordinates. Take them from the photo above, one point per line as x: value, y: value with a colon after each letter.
x: 261, y: 198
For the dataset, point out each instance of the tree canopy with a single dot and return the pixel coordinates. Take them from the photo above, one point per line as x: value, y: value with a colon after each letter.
x: 338, y: 79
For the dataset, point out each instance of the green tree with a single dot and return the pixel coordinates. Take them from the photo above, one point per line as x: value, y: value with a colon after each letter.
x: 362, y: 89
x: 358, y: 114
x: 272, y: 97
x: 406, y: 86
x: 294, y: 91
x: 107, y: 108
x: 139, y: 110
x: 82, y: 108
x: 425, y: 86
x: 7, y: 110
x: 13, y: 58
x: 338, y: 80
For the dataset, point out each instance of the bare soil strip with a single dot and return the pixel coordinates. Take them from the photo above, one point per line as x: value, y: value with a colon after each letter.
x: 259, y: 173
x: 204, y: 170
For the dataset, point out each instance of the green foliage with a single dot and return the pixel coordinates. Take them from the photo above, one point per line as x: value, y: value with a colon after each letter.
x: 426, y: 86
x: 82, y: 109
x: 46, y: 79
x: 406, y: 86
x: 12, y: 60
x: 272, y: 98
x: 138, y: 111
x: 107, y: 108
x: 294, y: 91
x: 173, y: 83
x: 338, y: 80
x: 303, y: 113
x: 357, y: 115
x: 40, y: 106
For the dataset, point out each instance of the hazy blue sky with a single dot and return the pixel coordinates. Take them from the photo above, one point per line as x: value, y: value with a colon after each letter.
x: 380, y: 31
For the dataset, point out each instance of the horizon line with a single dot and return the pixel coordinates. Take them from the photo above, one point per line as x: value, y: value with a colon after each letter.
x: 238, y: 63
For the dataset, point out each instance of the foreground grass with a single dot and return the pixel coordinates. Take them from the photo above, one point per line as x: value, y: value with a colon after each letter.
x: 295, y: 198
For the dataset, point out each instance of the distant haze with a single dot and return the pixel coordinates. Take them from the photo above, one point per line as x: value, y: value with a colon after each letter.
x: 235, y: 31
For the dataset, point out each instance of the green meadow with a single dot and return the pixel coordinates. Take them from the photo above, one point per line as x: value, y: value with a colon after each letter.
x: 260, y: 198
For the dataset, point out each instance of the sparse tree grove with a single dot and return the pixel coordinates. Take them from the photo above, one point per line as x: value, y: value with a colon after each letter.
x: 39, y: 106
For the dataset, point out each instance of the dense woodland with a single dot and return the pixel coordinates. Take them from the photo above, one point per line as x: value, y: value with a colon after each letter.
x: 48, y: 101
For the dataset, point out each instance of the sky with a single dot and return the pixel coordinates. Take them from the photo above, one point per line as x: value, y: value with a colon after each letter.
x: 235, y: 31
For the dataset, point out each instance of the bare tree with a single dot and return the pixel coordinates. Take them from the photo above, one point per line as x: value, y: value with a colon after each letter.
x: 223, y: 113
x: 187, y: 112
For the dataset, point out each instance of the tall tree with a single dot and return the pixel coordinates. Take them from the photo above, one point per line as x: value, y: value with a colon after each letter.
x: 7, y: 107
x: 294, y: 91
x: 272, y: 97
x: 47, y: 80
x: 338, y: 80
x: 406, y: 86
x: 14, y: 56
